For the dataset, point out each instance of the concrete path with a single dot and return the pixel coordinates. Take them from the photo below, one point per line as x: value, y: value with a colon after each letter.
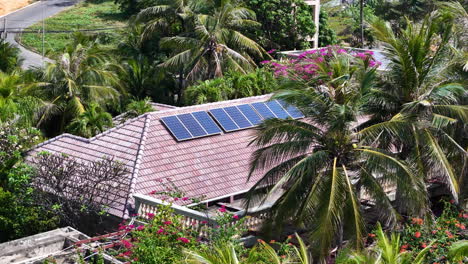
x: 28, y: 16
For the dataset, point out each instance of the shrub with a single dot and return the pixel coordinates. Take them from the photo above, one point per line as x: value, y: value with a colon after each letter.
x: 286, y: 25
x: 447, y: 229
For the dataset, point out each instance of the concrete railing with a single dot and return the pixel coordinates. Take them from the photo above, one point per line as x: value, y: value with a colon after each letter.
x: 146, y: 205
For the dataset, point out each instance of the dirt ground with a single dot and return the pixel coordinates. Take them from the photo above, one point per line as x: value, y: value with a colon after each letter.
x: 6, y: 6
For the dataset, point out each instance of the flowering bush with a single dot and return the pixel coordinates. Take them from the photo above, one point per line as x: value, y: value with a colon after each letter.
x: 229, y: 227
x: 324, y: 65
x: 160, y: 241
x: 447, y: 229
x: 164, y: 238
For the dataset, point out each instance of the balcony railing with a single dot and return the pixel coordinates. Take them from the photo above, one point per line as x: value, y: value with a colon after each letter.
x: 145, y: 205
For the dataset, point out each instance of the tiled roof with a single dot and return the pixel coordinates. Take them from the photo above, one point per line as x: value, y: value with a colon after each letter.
x: 211, y: 167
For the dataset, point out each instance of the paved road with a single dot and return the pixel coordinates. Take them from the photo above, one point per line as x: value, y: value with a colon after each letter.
x: 29, y: 16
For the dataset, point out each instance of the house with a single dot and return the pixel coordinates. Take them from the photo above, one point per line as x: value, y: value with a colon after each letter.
x: 203, y: 150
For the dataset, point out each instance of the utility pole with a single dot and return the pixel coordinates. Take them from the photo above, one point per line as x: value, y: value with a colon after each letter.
x: 361, y: 22
x: 43, y: 31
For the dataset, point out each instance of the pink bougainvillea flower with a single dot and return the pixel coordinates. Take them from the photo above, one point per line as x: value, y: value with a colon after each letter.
x: 183, y: 240
x: 185, y: 198
x: 150, y: 215
x: 204, y: 222
x: 127, y: 253
x: 160, y: 231
x: 126, y: 243
x: 265, y: 62
x: 235, y: 216
x: 167, y: 222
x: 152, y: 192
x: 222, y: 209
x: 271, y: 51
x: 139, y: 228
x: 176, y: 199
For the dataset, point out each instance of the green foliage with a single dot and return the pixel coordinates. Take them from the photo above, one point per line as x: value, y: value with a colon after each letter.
x: 9, y: 57
x: 354, y: 28
x: 385, y: 251
x: 396, y: 11
x: 19, y: 214
x: 232, y: 86
x: 417, y: 108
x: 91, y: 122
x: 327, y: 35
x: 262, y: 253
x: 137, y: 108
x: 459, y: 251
x: 20, y: 217
x: 285, y: 25
x: 14, y: 141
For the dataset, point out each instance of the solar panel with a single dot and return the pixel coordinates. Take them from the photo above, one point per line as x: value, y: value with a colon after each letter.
x: 251, y: 115
x: 263, y: 110
x: 237, y: 116
x: 292, y: 110
x: 176, y: 128
x: 277, y: 109
x: 192, y: 125
x: 224, y: 120
x: 207, y: 122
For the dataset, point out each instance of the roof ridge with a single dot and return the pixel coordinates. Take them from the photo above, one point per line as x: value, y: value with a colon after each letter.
x: 117, y: 127
x: 85, y: 140
x: 210, y: 104
x: 138, y: 160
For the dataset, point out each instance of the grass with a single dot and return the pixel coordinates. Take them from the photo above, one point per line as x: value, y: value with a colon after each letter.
x: 86, y: 15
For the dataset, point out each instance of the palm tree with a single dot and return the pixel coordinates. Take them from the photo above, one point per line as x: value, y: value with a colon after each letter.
x: 459, y: 251
x: 322, y: 167
x: 385, y: 251
x: 138, y: 76
x: 169, y: 16
x: 418, y: 111
x: 81, y: 76
x: 136, y: 108
x: 13, y: 105
x: 9, y: 57
x: 91, y: 122
x: 216, y: 44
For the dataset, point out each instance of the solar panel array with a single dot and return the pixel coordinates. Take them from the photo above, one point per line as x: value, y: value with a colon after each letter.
x: 191, y: 125
x: 231, y: 118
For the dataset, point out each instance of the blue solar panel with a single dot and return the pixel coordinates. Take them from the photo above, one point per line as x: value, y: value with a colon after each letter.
x: 224, y: 120
x: 263, y: 110
x: 277, y: 109
x: 238, y: 117
x: 177, y: 129
x: 192, y: 125
x: 292, y: 110
x: 251, y: 115
x: 207, y: 122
